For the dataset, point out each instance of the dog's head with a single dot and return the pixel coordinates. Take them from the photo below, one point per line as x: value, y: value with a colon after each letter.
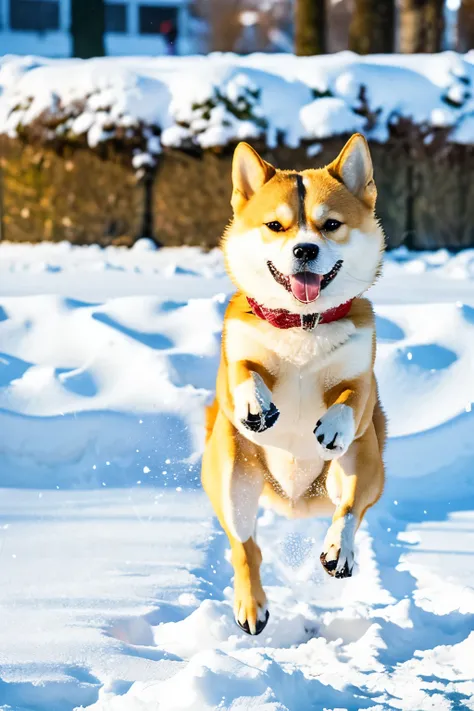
x: 305, y: 241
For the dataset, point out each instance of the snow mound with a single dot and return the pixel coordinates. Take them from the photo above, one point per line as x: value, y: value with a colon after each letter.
x: 123, y: 376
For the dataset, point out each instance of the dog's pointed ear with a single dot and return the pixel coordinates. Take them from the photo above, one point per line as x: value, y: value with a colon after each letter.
x: 353, y: 167
x: 249, y: 173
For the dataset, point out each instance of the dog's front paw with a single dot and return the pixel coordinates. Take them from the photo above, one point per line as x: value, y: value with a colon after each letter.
x: 250, y: 615
x: 337, y: 557
x: 335, y: 431
x: 253, y: 405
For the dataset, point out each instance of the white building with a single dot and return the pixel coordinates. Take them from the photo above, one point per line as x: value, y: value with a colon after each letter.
x: 132, y: 27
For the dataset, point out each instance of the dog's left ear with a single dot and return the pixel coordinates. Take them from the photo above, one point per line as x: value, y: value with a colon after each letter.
x: 353, y: 167
x: 249, y: 173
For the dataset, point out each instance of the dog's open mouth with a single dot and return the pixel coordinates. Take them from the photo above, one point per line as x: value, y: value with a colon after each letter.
x: 305, y: 286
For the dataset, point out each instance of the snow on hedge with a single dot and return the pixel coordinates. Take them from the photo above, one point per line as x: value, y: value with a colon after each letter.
x: 214, y: 100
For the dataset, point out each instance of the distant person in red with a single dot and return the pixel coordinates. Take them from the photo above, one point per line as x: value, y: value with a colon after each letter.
x: 169, y: 31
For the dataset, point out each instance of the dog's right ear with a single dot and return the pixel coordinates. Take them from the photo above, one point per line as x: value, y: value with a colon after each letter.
x: 249, y: 173
x: 353, y: 167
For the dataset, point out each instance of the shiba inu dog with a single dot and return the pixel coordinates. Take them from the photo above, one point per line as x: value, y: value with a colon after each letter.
x: 297, y: 422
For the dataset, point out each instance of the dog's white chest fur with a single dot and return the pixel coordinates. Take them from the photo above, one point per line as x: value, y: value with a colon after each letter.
x: 305, y: 364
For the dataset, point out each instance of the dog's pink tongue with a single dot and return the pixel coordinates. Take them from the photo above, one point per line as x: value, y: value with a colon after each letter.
x: 305, y: 286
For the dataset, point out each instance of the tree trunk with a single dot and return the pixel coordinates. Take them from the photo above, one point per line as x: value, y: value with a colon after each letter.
x: 421, y: 25
x: 434, y: 15
x: 466, y: 26
x: 310, y: 27
x: 87, y: 28
x: 372, y: 28
x: 225, y: 24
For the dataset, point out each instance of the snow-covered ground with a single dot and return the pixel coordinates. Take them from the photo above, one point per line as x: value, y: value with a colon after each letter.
x: 114, y: 578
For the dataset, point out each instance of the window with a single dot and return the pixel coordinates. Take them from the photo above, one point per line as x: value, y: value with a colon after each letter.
x: 115, y: 17
x: 34, y: 15
x: 155, y: 20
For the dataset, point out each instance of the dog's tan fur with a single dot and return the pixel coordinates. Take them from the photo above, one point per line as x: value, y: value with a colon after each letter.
x: 325, y: 375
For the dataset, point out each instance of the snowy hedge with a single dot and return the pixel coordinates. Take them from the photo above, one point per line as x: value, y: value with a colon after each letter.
x: 417, y: 111
x: 203, y: 102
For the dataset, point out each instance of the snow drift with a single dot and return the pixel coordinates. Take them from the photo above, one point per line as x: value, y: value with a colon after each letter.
x: 115, y: 591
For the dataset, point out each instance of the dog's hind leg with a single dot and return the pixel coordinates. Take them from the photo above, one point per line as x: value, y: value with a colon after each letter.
x: 232, y: 476
x: 356, y: 480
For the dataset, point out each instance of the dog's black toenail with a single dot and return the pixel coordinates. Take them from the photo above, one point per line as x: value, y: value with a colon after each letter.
x: 345, y: 572
x: 332, y: 444
x: 320, y: 438
x: 271, y: 415
x: 253, y: 422
x: 245, y: 627
x: 262, y: 422
x: 261, y: 624
x: 328, y: 565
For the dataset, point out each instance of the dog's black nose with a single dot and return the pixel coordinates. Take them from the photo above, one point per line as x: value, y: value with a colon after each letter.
x: 306, y: 251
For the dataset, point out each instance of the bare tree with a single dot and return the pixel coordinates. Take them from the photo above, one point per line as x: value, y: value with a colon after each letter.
x: 338, y: 22
x: 87, y: 28
x: 310, y: 27
x: 221, y: 18
x: 421, y: 25
x: 434, y: 22
x: 372, y: 29
x: 466, y: 26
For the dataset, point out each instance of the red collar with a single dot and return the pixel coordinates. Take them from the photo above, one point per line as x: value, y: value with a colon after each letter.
x: 281, y: 318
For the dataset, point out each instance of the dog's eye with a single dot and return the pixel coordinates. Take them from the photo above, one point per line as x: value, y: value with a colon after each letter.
x: 331, y: 225
x: 274, y: 226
